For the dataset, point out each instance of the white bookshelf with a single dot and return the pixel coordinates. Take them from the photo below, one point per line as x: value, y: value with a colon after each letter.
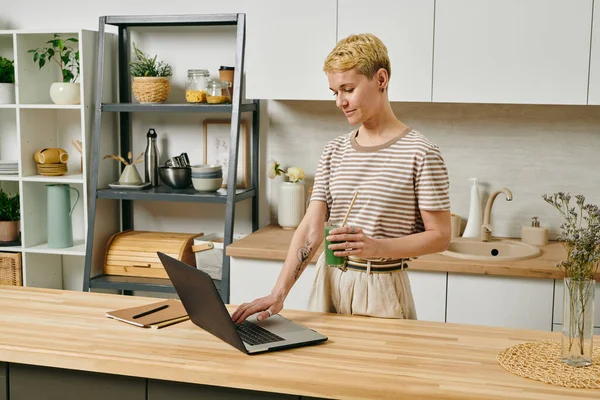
x: 34, y: 122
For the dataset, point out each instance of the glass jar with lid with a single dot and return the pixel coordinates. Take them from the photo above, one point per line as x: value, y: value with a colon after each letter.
x: 195, y: 89
x: 217, y: 92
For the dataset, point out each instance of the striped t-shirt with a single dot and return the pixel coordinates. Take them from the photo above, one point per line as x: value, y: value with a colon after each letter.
x: 394, y: 180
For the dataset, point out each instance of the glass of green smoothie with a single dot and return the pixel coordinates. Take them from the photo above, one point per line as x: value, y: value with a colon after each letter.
x: 330, y: 259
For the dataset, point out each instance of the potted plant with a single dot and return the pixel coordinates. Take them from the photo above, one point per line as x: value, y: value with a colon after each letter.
x: 7, y: 81
x: 10, y: 217
x: 580, y: 234
x: 291, y: 205
x: 150, y: 78
x: 67, y: 91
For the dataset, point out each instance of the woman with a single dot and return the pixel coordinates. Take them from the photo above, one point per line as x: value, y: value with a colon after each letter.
x: 401, y: 210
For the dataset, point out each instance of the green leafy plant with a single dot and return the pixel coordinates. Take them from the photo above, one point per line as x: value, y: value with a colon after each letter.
x: 10, y: 210
x: 146, y: 66
x: 62, y: 54
x: 7, y: 70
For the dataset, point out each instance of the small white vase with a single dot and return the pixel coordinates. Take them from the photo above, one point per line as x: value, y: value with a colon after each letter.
x: 291, y: 205
x: 65, y: 93
x: 7, y: 93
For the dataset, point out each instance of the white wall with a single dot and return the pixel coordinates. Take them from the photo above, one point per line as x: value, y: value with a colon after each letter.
x: 530, y: 149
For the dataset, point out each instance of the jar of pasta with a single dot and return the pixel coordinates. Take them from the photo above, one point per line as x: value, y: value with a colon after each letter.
x: 195, y: 89
x: 217, y: 92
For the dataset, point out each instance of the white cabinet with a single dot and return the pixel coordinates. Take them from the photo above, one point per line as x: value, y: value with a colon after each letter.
x: 594, y: 87
x: 286, y: 45
x: 558, y: 302
x: 429, y: 294
x: 512, y: 51
x: 250, y: 279
x: 406, y: 28
x: 34, y: 123
x: 524, y: 303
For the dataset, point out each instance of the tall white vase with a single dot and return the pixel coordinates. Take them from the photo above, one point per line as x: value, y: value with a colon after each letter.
x: 291, y: 205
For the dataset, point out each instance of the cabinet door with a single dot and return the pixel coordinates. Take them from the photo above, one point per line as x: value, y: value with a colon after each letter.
x: 594, y: 87
x: 524, y: 303
x: 33, y: 382
x: 512, y: 51
x: 429, y: 293
x: 286, y: 44
x: 558, y: 302
x: 250, y: 279
x: 406, y: 28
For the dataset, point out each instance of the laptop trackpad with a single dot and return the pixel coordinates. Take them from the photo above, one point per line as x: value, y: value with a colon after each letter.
x: 280, y: 326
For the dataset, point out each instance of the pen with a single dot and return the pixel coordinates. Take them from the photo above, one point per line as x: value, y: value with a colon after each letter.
x: 150, y: 311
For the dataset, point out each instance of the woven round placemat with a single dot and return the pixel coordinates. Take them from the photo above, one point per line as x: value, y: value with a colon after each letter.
x: 540, y: 360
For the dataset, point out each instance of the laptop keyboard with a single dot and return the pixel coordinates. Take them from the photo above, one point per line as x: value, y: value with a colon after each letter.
x: 254, y: 334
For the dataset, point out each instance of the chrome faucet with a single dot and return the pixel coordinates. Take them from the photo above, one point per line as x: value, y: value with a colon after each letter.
x: 486, y: 228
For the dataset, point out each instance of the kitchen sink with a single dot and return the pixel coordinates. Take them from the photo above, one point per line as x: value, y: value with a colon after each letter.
x: 494, y: 250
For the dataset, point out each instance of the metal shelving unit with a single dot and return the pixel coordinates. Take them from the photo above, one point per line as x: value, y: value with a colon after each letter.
x: 229, y: 198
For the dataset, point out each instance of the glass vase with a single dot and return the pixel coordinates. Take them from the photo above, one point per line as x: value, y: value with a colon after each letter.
x: 578, y: 322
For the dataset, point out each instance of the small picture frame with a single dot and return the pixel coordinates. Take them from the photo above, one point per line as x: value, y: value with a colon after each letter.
x: 216, y: 149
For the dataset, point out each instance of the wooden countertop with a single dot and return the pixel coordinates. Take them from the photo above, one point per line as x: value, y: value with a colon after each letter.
x: 272, y: 242
x: 363, y: 358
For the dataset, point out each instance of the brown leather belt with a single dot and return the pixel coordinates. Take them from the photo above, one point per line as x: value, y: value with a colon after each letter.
x: 374, y: 266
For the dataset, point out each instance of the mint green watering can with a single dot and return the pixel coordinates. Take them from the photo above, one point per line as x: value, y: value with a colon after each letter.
x: 60, y: 224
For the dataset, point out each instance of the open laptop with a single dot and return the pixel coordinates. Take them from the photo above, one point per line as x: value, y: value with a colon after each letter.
x: 206, y: 309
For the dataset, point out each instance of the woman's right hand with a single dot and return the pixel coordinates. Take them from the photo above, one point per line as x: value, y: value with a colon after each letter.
x: 266, y: 306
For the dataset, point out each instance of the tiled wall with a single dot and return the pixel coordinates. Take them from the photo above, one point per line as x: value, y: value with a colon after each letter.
x: 530, y: 149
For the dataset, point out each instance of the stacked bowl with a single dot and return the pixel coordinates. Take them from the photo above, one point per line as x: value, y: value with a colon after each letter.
x: 207, y: 177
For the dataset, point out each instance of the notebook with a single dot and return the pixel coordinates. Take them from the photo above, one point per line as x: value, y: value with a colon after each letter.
x: 155, y: 315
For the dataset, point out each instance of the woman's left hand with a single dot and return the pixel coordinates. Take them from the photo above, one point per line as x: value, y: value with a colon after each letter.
x: 352, y: 242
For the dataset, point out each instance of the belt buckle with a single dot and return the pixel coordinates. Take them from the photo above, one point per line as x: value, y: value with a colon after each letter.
x: 344, y: 266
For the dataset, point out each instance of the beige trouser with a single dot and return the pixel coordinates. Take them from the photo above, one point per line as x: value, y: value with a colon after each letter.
x: 385, y: 295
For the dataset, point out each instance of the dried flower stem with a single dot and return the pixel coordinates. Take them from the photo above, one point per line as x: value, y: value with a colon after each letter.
x: 118, y: 158
x: 581, y: 237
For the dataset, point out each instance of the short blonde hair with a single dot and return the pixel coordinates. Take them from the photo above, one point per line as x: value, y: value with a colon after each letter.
x: 365, y: 52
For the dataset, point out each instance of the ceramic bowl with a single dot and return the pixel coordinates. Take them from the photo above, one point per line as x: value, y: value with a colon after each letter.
x: 175, y: 177
x: 206, y: 168
x: 207, y: 175
x: 207, y: 185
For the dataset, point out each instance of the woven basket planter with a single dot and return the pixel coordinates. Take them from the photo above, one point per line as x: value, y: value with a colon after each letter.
x: 151, y: 89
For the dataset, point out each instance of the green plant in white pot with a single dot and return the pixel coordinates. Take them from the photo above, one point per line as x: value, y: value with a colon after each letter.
x: 7, y: 81
x: 580, y: 235
x: 59, y: 51
x: 10, y: 216
x: 150, y: 78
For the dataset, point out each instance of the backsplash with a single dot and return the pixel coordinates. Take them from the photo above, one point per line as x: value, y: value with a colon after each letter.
x: 530, y: 149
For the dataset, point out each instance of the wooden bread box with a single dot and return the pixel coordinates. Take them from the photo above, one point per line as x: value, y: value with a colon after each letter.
x: 133, y: 253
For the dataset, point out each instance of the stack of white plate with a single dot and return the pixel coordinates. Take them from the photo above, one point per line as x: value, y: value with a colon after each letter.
x: 9, y: 167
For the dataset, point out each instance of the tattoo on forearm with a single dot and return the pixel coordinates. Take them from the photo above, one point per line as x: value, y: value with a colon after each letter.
x: 303, y: 258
